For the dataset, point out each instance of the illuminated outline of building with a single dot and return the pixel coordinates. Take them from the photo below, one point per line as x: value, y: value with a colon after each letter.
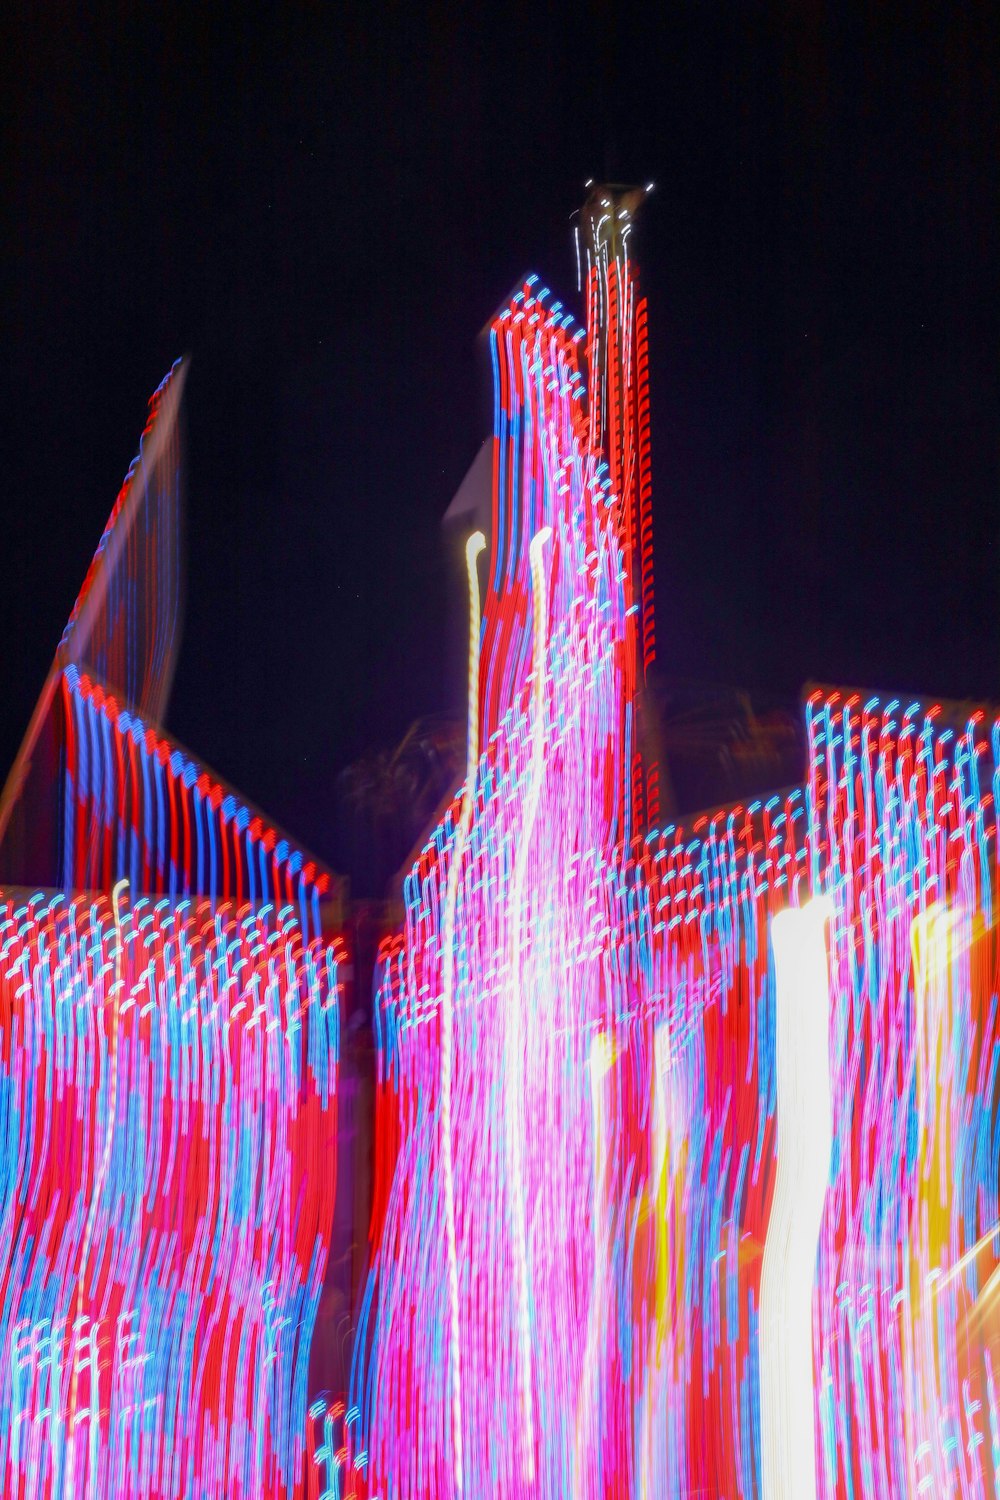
x: 593, y: 1273
x: 577, y: 1126
x: 169, y: 1051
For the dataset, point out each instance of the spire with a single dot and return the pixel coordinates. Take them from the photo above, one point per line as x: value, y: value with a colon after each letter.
x: 618, y: 367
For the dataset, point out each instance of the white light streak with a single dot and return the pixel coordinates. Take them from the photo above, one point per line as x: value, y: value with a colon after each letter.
x: 804, y: 1139
x: 473, y: 547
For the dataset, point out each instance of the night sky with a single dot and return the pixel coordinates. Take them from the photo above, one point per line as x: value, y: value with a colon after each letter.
x: 323, y: 204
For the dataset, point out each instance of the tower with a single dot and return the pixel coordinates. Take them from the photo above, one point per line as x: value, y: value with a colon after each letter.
x: 618, y: 395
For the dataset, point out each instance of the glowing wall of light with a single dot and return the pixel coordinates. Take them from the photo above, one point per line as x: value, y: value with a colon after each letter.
x: 658, y: 1211
x: 648, y: 1104
x: 167, y: 1127
x: 580, y: 1311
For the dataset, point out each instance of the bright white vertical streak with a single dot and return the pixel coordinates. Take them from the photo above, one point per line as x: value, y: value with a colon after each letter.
x: 804, y: 1141
x: 514, y: 1028
x: 473, y: 547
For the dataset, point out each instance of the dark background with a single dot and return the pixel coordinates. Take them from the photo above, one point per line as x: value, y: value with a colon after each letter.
x: 323, y: 204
